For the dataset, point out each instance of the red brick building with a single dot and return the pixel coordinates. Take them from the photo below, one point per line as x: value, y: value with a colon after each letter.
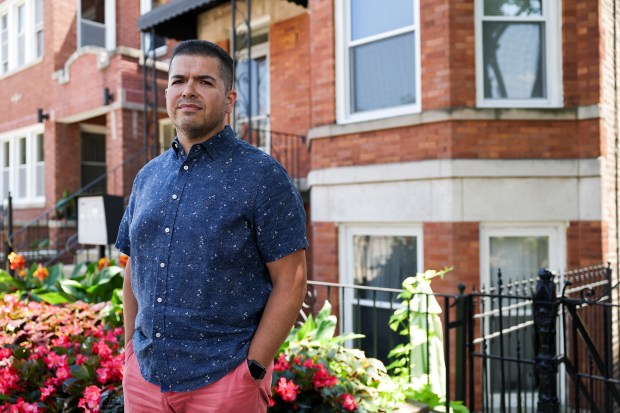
x: 72, y: 99
x: 479, y: 134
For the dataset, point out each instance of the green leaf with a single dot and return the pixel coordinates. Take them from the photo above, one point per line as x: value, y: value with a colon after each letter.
x: 8, y: 283
x: 80, y: 372
x: 54, y: 298
x: 72, y: 287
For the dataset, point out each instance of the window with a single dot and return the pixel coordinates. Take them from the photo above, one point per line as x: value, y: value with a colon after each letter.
x: 39, y: 167
x: 21, y: 33
x: 519, y: 252
x: 97, y: 23
x: 4, y: 20
x: 518, y: 53
x: 378, y: 59
x: 167, y: 132
x: 38, y: 27
x: 93, y: 161
x: 22, y: 167
x: 376, y: 257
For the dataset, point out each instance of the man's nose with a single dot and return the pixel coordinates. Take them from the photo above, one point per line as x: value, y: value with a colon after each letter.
x: 189, y: 90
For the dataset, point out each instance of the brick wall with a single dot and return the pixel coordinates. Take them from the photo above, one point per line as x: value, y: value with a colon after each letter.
x: 461, y: 140
x: 584, y: 244
x: 322, y: 56
x: 453, y: 244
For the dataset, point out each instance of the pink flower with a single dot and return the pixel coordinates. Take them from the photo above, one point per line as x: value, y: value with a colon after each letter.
x: 5, y: 353
x: 53, y: 360
x: 287, y: 389
x: 101, y: 348
x: 47, y: 392
x: 309, y: 364
x: 348, y: 402
x: 91, y: 399
x: 80, y: 359
x: 281, y: 364
x: 8, y: 379
x: 63, y: 373
x: 322, y: 378
x: 62, y: 341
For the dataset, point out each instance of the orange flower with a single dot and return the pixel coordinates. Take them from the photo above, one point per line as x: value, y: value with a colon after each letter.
x: 18, y: 262
x: 41, y: 272
x: 103, y: 262
x: 122, y: 259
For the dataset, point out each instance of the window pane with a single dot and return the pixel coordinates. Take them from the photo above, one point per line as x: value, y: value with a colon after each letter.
x: 518, y: 257
x: 40, y: 152
x: 513, y: 60
x: 512, y: 8
x: 21, y: 35
x: 7, y: 155
x: 369, y: 17
x: 383, y: 73
x: 93, y: 34
x: 21, y: 19
x: 379, y: 339
x: 38, y: 12
x: 40, y: 184
x: 259, y: 88
x: 39, y: 40
x: 93, y: 10
x: 383, y: 261
x: 22, y: 151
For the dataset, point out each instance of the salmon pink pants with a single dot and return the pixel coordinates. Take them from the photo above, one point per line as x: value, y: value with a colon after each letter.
x: 237, y: 392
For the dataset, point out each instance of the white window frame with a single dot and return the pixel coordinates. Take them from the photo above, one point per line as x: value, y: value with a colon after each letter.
x: 4, y: 30
x: 556, y: 233
x: 345, y: 252
x: 343, y: 72
x: 551, y: 16
x: 10, y: 9
x: 110, y: 25
x: 145, y: 7
x: 38, y: 27
x: 30, y: 200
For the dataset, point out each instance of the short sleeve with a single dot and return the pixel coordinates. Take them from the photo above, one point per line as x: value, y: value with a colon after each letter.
x: 279, y: 216
x: 122, y: 240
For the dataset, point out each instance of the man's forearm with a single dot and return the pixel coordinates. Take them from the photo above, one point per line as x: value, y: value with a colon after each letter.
x: 130, y: 305
x: 281, y: 311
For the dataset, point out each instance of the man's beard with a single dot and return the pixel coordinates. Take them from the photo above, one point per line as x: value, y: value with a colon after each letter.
x: 198, y: 131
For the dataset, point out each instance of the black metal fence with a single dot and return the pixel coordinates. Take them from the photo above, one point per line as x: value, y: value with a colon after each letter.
x: 545, y: 344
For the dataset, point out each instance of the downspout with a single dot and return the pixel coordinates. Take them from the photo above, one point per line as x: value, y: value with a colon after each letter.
x: 616, y: 138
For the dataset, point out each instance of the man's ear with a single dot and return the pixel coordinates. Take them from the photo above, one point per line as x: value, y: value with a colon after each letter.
x: 231, y: 98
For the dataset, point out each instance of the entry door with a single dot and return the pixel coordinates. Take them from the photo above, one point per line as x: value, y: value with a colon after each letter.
x: 93, y: 162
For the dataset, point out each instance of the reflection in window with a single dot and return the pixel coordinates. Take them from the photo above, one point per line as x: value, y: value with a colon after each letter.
x: 380, y: 261
x: 513, y: 60
x: 381, y: 55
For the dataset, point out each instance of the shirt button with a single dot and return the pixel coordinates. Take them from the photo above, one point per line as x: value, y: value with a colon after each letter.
x: 159, y: 300
x: 157, y: 335
x: 174, y: 196
x: 186, y: 167
x: 167, y: 230
x: 162, y: 265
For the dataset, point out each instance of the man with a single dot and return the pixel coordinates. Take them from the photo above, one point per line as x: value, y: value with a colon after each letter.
x: 215, y: 231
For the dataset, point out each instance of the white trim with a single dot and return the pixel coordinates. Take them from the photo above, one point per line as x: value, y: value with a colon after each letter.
x: 459, y: 191
x: 345, y: 253
x: 455, y: 114
x: 457, y: 168
x: 92, y: 128
x: 343, y: 45
x: 552, y: 50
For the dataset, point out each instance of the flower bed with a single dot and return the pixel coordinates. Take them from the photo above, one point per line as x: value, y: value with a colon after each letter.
x: 58, y: 357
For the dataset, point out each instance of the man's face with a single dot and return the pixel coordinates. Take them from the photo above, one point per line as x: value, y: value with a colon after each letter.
x: 196, y: 97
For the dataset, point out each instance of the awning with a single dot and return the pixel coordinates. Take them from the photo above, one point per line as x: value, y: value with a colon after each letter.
x: 178, y: 19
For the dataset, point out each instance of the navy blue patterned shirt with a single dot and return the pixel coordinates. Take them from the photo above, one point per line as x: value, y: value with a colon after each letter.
x: 200, y: 228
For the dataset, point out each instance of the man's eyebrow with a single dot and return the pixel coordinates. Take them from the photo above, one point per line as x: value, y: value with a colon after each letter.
x: 199, y: 77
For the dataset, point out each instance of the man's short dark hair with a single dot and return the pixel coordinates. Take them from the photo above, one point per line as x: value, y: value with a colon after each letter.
x: 205, y: 48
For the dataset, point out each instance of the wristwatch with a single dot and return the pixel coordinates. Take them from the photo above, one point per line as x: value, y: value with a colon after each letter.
x: 257, y: 370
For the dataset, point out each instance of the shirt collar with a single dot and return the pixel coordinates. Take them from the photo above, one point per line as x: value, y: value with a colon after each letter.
x: 214, y: 146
